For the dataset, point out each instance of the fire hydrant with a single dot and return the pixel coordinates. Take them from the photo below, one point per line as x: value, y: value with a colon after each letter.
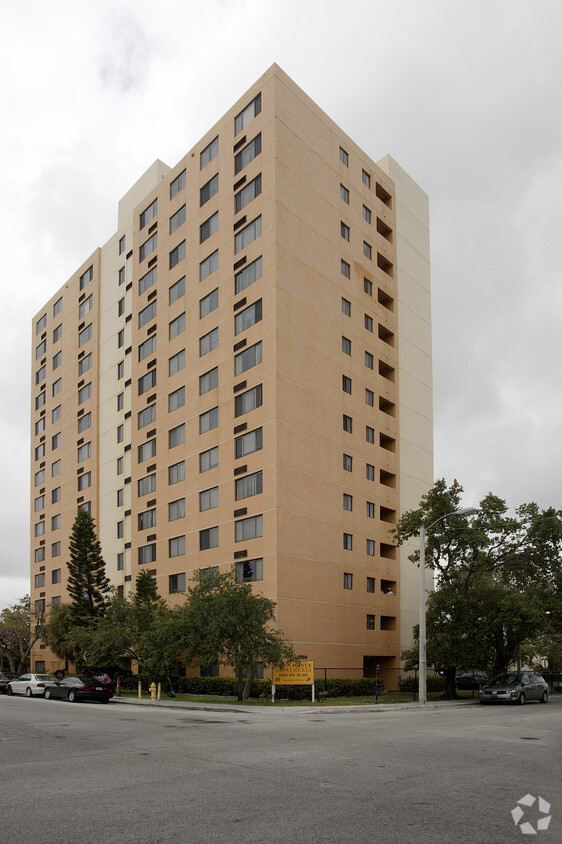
x: 152, y: 690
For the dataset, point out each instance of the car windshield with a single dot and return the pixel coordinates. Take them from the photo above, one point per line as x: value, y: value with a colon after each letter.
x: 506, y: 680
x: 44, y: 677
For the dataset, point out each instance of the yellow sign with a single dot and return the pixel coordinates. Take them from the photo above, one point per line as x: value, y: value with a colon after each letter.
x: 294, y: 674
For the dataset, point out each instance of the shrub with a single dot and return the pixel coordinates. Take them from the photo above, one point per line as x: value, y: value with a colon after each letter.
x: 434, y: 683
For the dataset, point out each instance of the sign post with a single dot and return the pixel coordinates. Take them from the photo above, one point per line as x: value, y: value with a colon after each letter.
x: 293, y: 674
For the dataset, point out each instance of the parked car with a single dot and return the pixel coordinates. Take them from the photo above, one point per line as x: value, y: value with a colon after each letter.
x: 79, y: 688
x: 5, y: 677
x: 471, y: 679
x: 515, y: 687
x: 29, y: 685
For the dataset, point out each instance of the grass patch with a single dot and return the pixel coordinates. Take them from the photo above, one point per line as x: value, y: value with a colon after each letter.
x: 363, y: 700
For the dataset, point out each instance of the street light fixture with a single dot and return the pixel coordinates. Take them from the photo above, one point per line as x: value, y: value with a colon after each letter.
x: 465, y: 511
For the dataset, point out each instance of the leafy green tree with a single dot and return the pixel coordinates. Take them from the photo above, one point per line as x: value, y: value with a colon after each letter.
x: 59, y: 633
x: 20, y: 628
x: 496, y: 577
x: 226, y: 622
x: 87, y: 583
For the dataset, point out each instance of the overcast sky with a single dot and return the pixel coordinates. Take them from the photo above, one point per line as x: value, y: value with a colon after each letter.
x: 466, y: 96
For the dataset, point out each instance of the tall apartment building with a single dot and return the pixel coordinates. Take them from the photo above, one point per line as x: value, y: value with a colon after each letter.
x: 242, y: 375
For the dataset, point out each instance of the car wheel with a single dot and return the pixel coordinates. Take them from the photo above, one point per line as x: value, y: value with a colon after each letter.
x: 47, y: 694
x: 28, y: 692
x: 9, y: 690
x: 72, y: 697
x: 544, y: 698
x: 522, y: 699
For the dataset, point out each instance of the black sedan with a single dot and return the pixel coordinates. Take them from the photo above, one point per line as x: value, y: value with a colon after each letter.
x: 79, y: 688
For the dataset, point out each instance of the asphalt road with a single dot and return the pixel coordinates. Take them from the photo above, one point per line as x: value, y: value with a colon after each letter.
x: 124, y: 773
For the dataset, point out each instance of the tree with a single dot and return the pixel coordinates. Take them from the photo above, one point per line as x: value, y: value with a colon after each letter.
x: 87, y: 583
x: 226, y: 622
x: 20, y: 628
x: 60, y: 626
x: 496, y: 577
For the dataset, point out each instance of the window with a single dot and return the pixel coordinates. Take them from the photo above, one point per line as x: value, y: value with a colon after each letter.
x: 248, y: 570
x: 366, y: 214
x: 56, y: 549
x: 146, y: 281
x: 176, y: 472
x: 40, y: 400
x: 209, y: 459
x: 176, y: 363
x: 41, y: 374
x: 348, y: 541
x: 177, y: 254
x: 248, y: 275
x: 84, y: 481
x: 120, y: 561
x: 370, y: 621
x: 176, y: 326
x: 248, y: 443
x: 147, y: 314
x: 369, y: 360
x: 209, y: 227
x: 209, y: 265
x: 344, y: 194
x: 177, y: 219
x: 250, y: 528
x: 120, y: 497
x: 208, y: 538
x: 346, y: 384
x: 86, y: 277
x: 176, y: 510
x: 85, y: 392
x: 370, y: 553
x: 347, y: 424
x: 39, y: 503
x: 56, y: 495
x: 177, y: 184
x: 40, y: 350
x: 85, y: 451
x: 39, y: 555
x: 344, y: 157
x: 121, y: 245
x: 245, y: 402
x: 247, y: 114
x: 56, y: 576
x: 347, y: 463
x: 39, y: 528
x: 247, y: 194
x: 176, y: 291
x: 84, y: 422
x: 347, y: 580
x: 120, y: 338
x: 369, y: 434
x: 210, y: 152
x: 176, y: 581
x: 366, y: 178
x: 56, y: 413
x: 176, y: 436
x: 119, y: 468
x: 209, y: 189
x: 247, y: 317
x: 148, y: 247
x: 148, y: 214
x: 86, y: 506
x: 85, y: 364
x: 247, y: 359
x: 146, y: 416
x: 40, y: 477
x: 247, y: 235
x: 176, y: 399
x: 148, y: 347
x: 346, y: 307
x: 368, y: 322
x: 247, y: 154
x: 147, y: 519
x: 40, y: 324
x: 147, y: 553
x: 120, y: 433
x: 208, y: 381
x: 40, y: 451
x: 367, y: 250
x: 121, y: 276
x: 146, y: 485
x: 120, y: 370
x: 147, y: 382
x: 208, y: 420
x: 368, y: 286
x: 39, y: 609
x: 40, y: 425
x: 209, y: 498
x: 39, y: 580
x: 344, y: 231
x: 345, y: 269
x: 369, y: 472
x: 208, y: 342
x: 369, y: 398
x: 57, y: 386
x: 370, y: 509
x: 146, y: 450
x: 347, y: 501
x: 249, y: 485
x: 346, y: 346
x: 209, y: 303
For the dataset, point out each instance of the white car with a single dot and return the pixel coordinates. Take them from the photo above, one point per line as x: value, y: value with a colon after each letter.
x: 30, y: 685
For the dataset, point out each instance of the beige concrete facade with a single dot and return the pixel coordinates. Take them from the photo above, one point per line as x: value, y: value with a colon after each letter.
x: 260, y: 380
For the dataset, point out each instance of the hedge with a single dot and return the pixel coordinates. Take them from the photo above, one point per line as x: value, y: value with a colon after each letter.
x: 434, y: 683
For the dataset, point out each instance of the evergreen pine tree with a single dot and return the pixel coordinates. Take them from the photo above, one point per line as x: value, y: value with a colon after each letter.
x: 87, y: 583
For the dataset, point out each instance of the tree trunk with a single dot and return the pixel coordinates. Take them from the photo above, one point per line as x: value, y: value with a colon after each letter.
x: 171, y: 691
x: 450, y: 685
x: 240, y: 685
x: 248, y: 686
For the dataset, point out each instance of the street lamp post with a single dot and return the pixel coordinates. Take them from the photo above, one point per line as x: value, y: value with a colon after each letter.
x: 422, y: 695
